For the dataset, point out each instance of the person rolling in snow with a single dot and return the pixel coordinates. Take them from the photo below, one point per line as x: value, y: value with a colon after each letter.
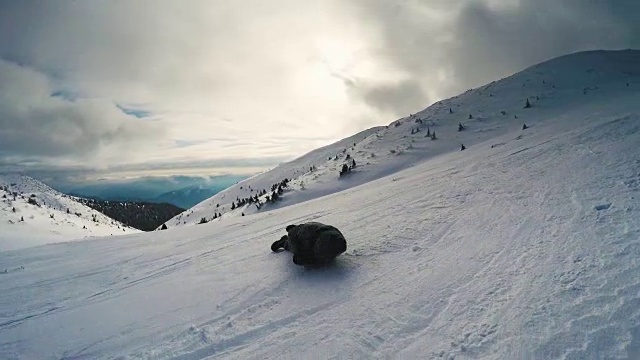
x: 312, y: 243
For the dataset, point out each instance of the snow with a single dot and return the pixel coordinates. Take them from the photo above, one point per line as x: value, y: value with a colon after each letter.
x: 525, y: 245
x: 32, y: 225
x: 554, y: 88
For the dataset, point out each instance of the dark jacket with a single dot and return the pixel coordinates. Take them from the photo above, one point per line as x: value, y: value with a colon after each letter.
x: 312, y: 243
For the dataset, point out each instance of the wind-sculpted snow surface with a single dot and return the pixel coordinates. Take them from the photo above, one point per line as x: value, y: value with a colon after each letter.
x: 523, y: 246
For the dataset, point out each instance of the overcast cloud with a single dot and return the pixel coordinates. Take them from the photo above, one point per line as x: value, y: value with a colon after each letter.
x: 144, y: 85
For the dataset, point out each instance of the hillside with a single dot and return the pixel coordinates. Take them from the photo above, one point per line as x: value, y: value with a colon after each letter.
x: 554, y: 90
x: 189, y: 196
x: 32, y: 213
x: 141, y: 215
x: 523, y: 246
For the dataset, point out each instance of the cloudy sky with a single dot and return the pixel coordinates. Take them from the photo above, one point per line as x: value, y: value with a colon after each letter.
x: 121, y: 88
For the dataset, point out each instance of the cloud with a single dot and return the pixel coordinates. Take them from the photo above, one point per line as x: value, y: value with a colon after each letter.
x: 394, y: 98
x: 36, y: 122
x: 121, y: 83
x: 490, y: 41
x: 450, y: 46
x: 207, y: 70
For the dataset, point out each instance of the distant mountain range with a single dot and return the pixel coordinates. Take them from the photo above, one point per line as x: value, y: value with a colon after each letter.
x: 181, y: 191
x: 187, y: 197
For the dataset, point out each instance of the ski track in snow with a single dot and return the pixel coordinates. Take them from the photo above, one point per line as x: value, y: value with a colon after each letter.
x: 525, y: 250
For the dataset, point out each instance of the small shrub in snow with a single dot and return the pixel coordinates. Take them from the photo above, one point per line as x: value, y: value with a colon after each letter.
x: 345, y: 170
x: 527, y: 105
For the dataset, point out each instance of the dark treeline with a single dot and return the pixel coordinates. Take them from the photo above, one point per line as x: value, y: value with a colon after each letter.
x: 140, y: 215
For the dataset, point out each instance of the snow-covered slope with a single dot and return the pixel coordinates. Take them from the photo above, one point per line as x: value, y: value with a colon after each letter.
x: 523, y: 246
x: 299, y: 169
x: 554, y: 89
x: 50, y: 217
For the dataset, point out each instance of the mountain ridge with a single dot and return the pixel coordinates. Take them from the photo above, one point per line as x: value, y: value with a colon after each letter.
x: 552, y: 88
x: 33, y: 213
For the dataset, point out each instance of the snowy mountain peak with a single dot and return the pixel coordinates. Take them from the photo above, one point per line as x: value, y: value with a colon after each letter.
x: 32, y: 213
x: 545, y: 92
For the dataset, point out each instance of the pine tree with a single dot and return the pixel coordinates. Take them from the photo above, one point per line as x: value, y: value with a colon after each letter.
x: 462, y: 147
x: 528, y: 104
x: 433, y: 135
x: 344, y: 170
